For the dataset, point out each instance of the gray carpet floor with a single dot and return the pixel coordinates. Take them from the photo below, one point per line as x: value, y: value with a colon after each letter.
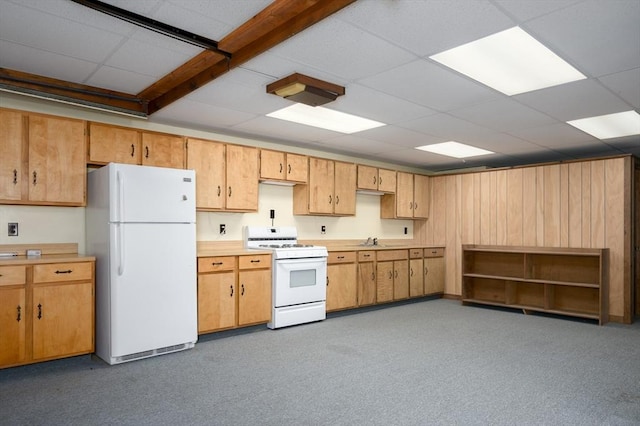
x: 431, y: 362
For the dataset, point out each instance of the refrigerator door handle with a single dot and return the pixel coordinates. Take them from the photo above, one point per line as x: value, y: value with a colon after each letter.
x: 120, y: 248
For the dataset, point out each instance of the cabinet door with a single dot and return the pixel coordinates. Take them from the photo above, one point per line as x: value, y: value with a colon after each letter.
x: 366, y: 284
x: 434, y: 275
x: 341, y: 286
x: 207, y: 158
x: 297, y: 168
x: 272, y: 165
x: 12, y: 141
x: 216, y: 301
x: 12, y: 325
x: 113, y: 144
x: 400, y: 279
x: 367, y: 177
x: 404, y: 195
x: 384, y: 282
x: 162, y: 150
x: 421, y: 195
x: 62, y: 320
x: 416, y: 277
x: 57, y: 160
x: 386, y: 180
x: 242, y: 178
x: 254, y: 304
x: 321, y: 181
x: 345, y: 188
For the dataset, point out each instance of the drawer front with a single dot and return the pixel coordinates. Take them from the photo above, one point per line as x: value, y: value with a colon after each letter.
x: 366, y: 256
x: 415, y: 253
x: 392, y: 254
x: 342, y: 257
x: 259, y: 261
x: 434, y: 252
x: 13, y: 275
x: 56, y: 272
x: 217, y: 263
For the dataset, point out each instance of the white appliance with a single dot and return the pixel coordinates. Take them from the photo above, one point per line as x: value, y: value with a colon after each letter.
x: 140, y: 226
x: 299, y: 275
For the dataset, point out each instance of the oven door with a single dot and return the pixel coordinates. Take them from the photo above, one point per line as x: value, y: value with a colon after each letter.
x: 297, y: 281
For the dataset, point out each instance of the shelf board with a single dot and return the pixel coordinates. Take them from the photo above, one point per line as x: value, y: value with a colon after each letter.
x: 532, y: 280
x: 581, y: 314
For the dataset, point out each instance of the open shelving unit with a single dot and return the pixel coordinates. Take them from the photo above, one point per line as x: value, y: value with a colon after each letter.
x: 564, y: 281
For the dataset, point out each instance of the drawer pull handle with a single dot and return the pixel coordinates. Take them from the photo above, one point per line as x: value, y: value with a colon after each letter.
x: 255, y: 261
x: 231, y: 287
x: 39, y: 311
x: 367, y: 255
x: 340, y: 257
x: 216, y: 263
x: 68, y: 271
x: 19, y: 314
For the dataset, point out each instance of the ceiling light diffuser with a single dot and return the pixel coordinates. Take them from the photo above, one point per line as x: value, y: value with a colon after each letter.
x: 455, y: 149
x: 325, y: 118
x: 510, y: 61
x: 610, y: 125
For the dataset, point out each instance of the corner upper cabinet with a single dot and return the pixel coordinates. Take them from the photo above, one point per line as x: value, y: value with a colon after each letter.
x: 226, y: 175
x: 43, y: 160
x: 283, y: 166
x: 331, y: 189
x: 411, y: 200
x: 374, y: 179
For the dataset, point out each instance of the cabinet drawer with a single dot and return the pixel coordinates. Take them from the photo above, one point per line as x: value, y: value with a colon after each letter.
x: 415, y: 253
x: 366, y: 256
x: 218, y: 263
x: 255, y: 262
x: 392, y: 254
x: 342, y: 257
x: 434, y: 252
x: 56, y: 272
x: 12, y: 275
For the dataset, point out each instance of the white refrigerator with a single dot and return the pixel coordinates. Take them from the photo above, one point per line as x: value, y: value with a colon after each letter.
x: 140, y: 226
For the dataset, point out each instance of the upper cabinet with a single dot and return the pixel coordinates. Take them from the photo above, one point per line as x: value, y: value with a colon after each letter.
x: 331, y: 189
x: 115, y: 144
x: 411, y: 200
x: 43, y: 159
x: 374, y: 179
x: 226, y: 175
x: 283, y: 166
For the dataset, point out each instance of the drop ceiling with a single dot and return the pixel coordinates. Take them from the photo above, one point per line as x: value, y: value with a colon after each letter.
x: 378, y: 50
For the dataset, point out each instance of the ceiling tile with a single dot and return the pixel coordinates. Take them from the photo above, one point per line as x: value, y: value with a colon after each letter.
x: 203, y: 116
x: 120, y: 80
x: 524, y: 10
x: 198, y: 21
x: 356, y: 143
x: 503, y: 143
x: 233, y: 13
x: 560, y: 135
x: 625, y: 84
x: 503, y: 115
x: 272, y: 127
x: 399, y: 136
x: 447, y: 127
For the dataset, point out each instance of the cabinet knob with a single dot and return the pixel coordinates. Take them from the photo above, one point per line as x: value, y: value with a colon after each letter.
x: 35, y: 177
x: 19, y: 309
x: 146, y: 152
x: 373, y: 276
x: 327, y: 281
x: 15, y: 177
x: 242, y: 290
x: 411, y: 271
x: 229, y: 191
x: 219, y: 190
x: 280, y: 167
x: 337, y: 200
x: 133, y: 149
x: 289, y: 168
x: 39, y: 311
x: 231, y: 287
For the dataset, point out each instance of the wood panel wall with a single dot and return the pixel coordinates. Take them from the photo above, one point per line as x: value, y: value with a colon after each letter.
x: 584, y: 204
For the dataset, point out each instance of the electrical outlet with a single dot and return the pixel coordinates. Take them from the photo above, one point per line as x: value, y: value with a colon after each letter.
x: 13, y: 229
x: 223, y: 228
x: 272, y: 214
x: 323, y: 229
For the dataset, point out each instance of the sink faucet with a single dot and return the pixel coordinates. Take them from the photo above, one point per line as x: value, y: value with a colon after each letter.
x: 375, y: 241
x: 371, y: 241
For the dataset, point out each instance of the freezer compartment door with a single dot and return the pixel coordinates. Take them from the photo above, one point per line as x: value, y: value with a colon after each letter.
x: 151, y: 194
x: 153, y: 287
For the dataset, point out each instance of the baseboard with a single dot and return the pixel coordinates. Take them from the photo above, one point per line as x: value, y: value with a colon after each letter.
x: 451, y: 296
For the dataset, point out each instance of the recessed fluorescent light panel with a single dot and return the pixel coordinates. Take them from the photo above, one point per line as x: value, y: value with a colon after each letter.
x: 325, y: 118
x: 510, y: 61
x: 610, y: 125
x: 455, y: 149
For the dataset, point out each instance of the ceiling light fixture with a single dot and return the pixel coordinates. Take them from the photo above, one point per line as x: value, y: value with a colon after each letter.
x: 454, y: 149
x: 325, y: 118
x: 306, y: 90
x: 610, y: 125
x: 510, y: 61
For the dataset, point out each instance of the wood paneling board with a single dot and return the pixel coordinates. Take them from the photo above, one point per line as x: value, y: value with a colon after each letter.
x: 586, y: 204
x: 514, y: 207
x: 466, y: 208
x: 477, y: 220
x: 637, y: 236
x: 574, y: 200
x: 501, y: 207
x: 485, y: 208
x: 551, y: 206
x: 564, y: 205
x: 529, y: 213
x: 614, y: 230
x: 539, y: 206
x: 597, y: 204
x: 439, y: 211
x: 452, y: 257
x: 493, y: 201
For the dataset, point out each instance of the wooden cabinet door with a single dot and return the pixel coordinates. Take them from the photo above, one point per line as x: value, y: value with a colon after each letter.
x: 113, y: 144
x: 216, y: 301
x: 434, y: 275
x: 12, y: 325
x: 416, y: 277
x: 386, y: 180
x: 254, y: 298
x: 162, y: 150
x: 12, y: 141
x: 366, y: 284
x: 400, y: 279
x: 297, y: 168
x: 384, y: 282
x: 421, y: 195
x: 404, y: 195
x: 321, y: 184
x: 272, y: 164
x: 341, y: 286
x: 62, y: 320
x: 57, y: 160
x: 367, y: 177
x: 207, y: 158
x: 345, y: 188
x: 242, y: 178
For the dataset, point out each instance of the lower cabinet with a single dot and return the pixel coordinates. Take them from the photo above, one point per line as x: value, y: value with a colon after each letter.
x: 341, y: 280
x: 417, y: 272
x: 393, y: 275
x: 233, y: 291
x: 434, y: 271
x: 46, y: 312
x: 366, y: 278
